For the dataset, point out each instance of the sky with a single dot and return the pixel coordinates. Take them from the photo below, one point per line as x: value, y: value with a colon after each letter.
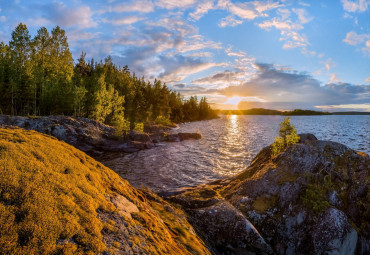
x: 277, y: 54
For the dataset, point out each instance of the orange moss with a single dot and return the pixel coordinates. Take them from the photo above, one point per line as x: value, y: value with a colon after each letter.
x: 49, y: 196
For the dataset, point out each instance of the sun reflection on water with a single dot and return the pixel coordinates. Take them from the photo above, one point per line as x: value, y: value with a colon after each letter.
x: 231, y: 146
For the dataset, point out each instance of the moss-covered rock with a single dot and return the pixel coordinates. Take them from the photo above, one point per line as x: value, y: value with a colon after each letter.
x: 54, y: 199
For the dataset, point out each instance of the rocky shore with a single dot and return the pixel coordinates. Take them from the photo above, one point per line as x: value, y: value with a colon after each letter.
x: 94, y: 137
x: 312, y: 198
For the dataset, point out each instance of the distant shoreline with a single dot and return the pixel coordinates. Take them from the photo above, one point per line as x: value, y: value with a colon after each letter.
x: 296, y: 112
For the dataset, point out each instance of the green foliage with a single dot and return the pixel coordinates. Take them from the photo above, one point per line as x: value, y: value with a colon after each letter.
x: 38, y: 77
x: 161, y: 120
x: 287, y: 137
x: 315, y: 198
x: 139, y: 127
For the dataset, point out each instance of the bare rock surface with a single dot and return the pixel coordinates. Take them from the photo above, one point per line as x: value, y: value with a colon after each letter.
x: 93, y: 136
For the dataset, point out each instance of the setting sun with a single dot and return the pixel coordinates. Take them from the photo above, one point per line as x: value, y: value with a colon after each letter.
x: 233, y: 100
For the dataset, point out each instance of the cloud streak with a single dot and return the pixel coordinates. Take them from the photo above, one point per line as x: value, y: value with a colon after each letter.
x: 281, y: 86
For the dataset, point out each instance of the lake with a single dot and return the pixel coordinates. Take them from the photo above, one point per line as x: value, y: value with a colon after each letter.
x: 228, y: 146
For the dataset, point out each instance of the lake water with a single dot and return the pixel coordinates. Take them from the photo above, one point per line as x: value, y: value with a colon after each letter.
x: 228, y: 146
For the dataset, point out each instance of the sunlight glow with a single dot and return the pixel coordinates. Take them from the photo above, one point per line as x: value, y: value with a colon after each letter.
x: 233, y: 100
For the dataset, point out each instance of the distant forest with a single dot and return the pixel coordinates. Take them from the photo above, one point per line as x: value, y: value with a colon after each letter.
x: 296, y: 112
x: 39, y: 77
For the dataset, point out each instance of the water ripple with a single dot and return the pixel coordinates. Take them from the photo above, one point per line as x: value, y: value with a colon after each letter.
x: 227, y: 147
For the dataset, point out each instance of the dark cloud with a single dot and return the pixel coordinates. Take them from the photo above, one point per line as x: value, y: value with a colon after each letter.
x: 223, y: 77
x: 180, y: 85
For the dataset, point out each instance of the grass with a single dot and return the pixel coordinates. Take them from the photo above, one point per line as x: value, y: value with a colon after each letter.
x: 50, y: 195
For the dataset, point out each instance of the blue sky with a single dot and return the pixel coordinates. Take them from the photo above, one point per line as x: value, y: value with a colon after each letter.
x: 276, y: 54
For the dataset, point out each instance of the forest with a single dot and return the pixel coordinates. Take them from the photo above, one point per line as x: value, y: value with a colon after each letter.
x: 38, y: 76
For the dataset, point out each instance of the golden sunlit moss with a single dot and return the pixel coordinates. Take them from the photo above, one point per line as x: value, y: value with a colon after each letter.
x: 51, y: 195
x: 262, y: 203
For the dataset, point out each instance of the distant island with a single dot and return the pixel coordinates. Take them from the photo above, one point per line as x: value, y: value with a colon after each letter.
x: 296, y: 112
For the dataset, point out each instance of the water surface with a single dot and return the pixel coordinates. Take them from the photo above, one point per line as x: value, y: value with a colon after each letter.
x: 227, y: 147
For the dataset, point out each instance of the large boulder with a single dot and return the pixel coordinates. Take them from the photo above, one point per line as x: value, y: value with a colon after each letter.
x: 220, y: 224
x: 83, y: 133
x: 312, y: 198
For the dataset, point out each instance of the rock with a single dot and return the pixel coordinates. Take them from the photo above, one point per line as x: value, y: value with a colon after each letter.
x: 312, y: 198
x: 173, y: 138
x: 183, y: 136
x: 306, y: 138
x: 68, y: 203
x: 334, y: 234
x: 83, y: 133
x: 139, y: 136
x: 187, y: 136
x: 221, y: 225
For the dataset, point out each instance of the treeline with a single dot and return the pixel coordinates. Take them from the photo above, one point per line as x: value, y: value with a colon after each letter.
x: 39, y: 77
x: 262, y: 111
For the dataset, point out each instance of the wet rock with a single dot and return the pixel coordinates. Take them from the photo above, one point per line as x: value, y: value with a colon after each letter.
x: 188, y: 136
x: 183, y: 136
x: 173, y: 138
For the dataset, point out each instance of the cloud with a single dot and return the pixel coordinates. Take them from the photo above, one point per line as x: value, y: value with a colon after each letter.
x: 230, y: 21
x: 169, y: 48
x: 144, y: 6
x: 248, y: 10
x: 202, y: 9
x: 124, y: 21
x: 180, y: 85
x: 353, y: 38
x: 59, y: 14
x: 170, y: 4
x: 303, y: 16
x: 345, y: 107
x: 334, y: 78
x: 230, y: 53
x: 222, y: 78
x: 2, y: 18
x: 329, y: 64
x: 79, y: 35
x: 354, y: 6
x: 288, y: 31
x: 279, y: 24
x: 179, y: 67
x: 361, y: 40
x: 367, y: 79
x: 284, y: 13
x: 277, y: 85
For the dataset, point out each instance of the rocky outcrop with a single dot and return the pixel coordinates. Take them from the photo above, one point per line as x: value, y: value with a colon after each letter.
x: 55, y: 199
x: 93, y: 136
x: 313, y: 198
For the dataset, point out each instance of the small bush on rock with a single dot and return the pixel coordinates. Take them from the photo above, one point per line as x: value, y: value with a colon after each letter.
x: 287, y: 137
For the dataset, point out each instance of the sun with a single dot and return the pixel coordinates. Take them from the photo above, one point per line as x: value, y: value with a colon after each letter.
x: 233, y: 100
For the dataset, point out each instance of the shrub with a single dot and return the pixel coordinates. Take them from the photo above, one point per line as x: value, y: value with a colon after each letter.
x: 287, y: 137
x: 139, y: 126
x: 315, y: 198
x: 161, y: 120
